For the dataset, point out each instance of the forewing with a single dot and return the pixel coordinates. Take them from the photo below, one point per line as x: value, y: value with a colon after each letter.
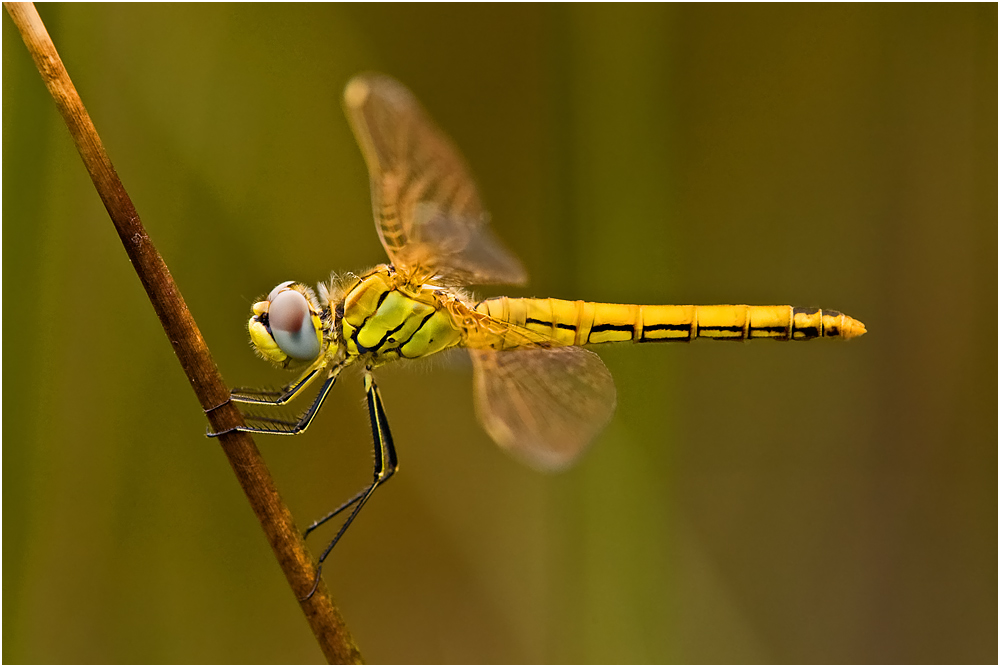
x: 543, y: 405
x: 427, y: 209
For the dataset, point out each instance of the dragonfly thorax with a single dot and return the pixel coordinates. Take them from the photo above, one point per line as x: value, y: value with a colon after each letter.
x: 384, y: 317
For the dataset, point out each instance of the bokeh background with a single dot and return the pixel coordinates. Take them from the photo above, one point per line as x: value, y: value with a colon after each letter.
x: 749, y: 503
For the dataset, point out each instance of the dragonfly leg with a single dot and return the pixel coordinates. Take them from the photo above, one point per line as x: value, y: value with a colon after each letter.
x: 275, y: 426
x: 277, y: 396
x: 385, y: 465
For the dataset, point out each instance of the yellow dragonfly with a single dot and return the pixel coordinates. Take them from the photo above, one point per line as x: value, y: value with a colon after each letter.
x: 538, y: 393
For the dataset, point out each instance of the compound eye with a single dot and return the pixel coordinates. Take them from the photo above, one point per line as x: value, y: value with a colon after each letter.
x: 291, y: 324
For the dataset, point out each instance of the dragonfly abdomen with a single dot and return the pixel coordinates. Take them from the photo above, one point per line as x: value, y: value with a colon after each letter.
x: 587, y: 323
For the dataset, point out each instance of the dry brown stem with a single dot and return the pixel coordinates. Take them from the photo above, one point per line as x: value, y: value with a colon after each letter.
x: 189, y: 346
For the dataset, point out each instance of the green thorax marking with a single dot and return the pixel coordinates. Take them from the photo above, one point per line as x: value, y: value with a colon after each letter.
x: 384, y: 320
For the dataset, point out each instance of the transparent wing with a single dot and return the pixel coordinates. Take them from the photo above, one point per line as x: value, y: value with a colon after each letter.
x: 543, y: 405
x: 427, y: 209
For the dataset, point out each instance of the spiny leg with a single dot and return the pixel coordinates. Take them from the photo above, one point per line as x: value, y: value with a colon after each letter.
x: 288, y: 427
x: 385, y: 465
x: 277, y: 396
x: 272, y: 396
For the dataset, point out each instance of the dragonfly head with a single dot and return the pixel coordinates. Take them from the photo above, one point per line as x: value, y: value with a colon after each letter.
x: 286, y: 328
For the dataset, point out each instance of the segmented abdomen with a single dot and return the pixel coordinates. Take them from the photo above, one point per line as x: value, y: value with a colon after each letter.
x: 586, y: 323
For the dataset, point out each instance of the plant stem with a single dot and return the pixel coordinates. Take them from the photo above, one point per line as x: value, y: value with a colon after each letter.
x: 332, y: 634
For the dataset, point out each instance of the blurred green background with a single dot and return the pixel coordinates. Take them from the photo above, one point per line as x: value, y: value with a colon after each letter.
x: 762, y: 503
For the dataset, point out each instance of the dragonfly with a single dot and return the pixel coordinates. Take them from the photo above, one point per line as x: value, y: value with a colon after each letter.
x: 538, y: 392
